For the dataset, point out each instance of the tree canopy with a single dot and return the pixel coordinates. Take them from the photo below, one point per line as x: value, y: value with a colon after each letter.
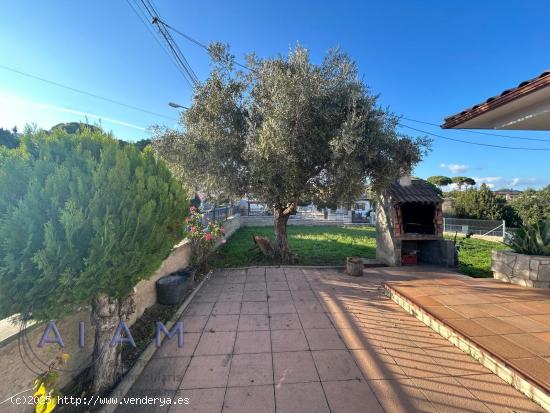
x: 461, y: 181
x: 287, y: 131
x: 440, y: 180
x: 482, y: 203
x: 533, y: 206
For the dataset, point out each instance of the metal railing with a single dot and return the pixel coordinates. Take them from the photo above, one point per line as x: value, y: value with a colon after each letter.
x: 220, y: 214
x: 475, y: 226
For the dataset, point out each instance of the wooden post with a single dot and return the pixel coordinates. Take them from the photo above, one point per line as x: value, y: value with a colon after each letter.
x: 354, y: 266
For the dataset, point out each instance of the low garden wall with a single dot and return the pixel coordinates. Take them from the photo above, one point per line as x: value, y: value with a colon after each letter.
x: 521, y: 269
x: 19, y: 371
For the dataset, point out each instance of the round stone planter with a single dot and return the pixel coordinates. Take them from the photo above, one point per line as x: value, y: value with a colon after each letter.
x: 354, y: 266
x: 521, y: 269
x: 172, y: 288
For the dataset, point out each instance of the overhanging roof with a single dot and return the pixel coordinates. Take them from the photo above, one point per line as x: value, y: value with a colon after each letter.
x: 525, y: 107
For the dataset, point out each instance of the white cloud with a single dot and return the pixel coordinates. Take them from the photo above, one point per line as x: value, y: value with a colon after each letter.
x: 497, y: 182
x: 455, y: 168
x: 500, y: 182
x: 488, y: 179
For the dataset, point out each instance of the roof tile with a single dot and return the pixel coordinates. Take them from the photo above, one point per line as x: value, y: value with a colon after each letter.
x: 527, y: 86
x: 418, y: 191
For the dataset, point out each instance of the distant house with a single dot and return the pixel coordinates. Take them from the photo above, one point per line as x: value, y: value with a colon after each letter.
x: 507, y: 194
x: 362, y: 210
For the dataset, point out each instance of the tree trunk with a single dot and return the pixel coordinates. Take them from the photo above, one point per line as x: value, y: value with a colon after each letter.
x: 106, y: 315
x: 281, y: 216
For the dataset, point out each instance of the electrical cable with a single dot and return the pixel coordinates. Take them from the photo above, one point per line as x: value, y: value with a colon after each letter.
x: 83, y: 92
x: 473, y: 143
x: 480, y: 133
x: 200, y: 44
x: 143, y: 19
x: 172, y: 45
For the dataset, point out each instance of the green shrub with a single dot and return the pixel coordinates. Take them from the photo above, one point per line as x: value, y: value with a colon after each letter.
x: 82, y: 221
x: 533, y: 239
x: 79, y: 215
x: 533, y: 206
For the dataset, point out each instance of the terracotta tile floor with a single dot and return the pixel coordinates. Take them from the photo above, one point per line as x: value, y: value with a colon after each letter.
x: 315, y: 340
x: 508, y: 321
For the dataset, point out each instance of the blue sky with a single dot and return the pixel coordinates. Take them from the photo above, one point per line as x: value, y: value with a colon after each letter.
x: 426, y: 59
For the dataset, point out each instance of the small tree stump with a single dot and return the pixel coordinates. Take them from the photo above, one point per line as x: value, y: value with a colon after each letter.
x: 264, y: 244
x: 354, y: 266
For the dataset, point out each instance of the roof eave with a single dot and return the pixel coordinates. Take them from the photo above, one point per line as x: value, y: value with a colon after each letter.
x: 531, y: 86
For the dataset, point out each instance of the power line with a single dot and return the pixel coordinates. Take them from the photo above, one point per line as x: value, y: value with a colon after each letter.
x: 480, y: 133
x: 146, y: 19
x: 143, y: 19
x: 191, y: 39
x: 205, y: 47
x: 83, y: 92
x: 169, y: 41
x: 473, y: 143
x: 200, y: 44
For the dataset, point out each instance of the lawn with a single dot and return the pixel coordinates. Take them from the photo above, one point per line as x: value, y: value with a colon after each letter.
x: 474, y: 256
x: 331, y: 246
x: 311, y: 245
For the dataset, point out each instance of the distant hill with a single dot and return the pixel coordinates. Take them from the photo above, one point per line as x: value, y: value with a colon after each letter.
x: 10, y: 138
x: 75, y: 127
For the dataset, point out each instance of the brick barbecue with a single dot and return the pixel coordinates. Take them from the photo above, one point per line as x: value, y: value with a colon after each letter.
x: 410, y: 225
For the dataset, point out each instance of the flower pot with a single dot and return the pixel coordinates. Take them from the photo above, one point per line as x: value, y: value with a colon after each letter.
x: 172, y: 288
x: 354, y: 266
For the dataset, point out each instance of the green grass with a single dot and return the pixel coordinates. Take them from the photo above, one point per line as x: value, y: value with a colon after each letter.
x: 331, y: 246
x: 474, y: 256
x: 310, y: 245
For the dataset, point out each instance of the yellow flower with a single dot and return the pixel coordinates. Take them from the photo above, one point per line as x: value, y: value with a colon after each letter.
x: 40, y: 390
x: 45, y: 404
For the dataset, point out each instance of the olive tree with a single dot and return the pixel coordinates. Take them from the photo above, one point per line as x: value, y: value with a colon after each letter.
x: 285, y: 131
x: 82, y: 221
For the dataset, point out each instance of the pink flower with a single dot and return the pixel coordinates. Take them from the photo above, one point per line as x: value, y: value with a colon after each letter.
x: 208, y: 237
x: 192, y: 209
x: 193, y: 229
